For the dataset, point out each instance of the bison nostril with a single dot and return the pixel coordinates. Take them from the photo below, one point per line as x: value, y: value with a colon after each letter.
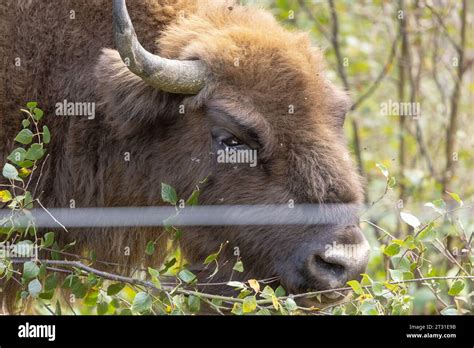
x: 334, y: 269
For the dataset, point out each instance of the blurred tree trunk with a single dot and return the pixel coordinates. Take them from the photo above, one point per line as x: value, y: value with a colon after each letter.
x: 402, y: 70
x: 451, y: 154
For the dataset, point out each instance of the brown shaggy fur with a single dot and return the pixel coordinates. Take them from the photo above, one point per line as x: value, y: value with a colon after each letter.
x: 302, y: 155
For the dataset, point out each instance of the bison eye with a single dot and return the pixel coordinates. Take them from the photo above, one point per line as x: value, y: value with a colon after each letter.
x: 224, y: 139
x: 231, y: 142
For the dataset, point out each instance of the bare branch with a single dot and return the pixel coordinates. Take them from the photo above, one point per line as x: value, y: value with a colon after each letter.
x: 454, y: 115
x: 380, y: 77
x: 320, y: 28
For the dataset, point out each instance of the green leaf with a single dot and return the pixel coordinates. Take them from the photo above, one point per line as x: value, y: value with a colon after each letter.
x: 31, y: 105
x: 249, y: 304
x: 392, y: 250
x: 46, y: 295
x: 5, y: 196
x: 30, y: 270
x: 369, y: 307
x: 10, y: 172
x: 355, y: 285
x: 410, y: 219
x: 142, y: 302
x: 80, y: 290
x: 177, y: 234
x: 236, y: 309
x: 456, y: 197
x: 38, y: 114
x: 150, y: 248
x: 91, y: 298
x: 267, y: 292
x: 186, y: 276
x: 409, y: 243
x: 168, y: 265
x: 58, y: 308
x: 102, y: 308
x: 194, y: 303
x: 291, y: 305
x: 114, y: 289
x: 377, y: 288
x: 437, y: 205
x: 42, y: 271
x: 449, y: 311
x: 456, y: 287
x: 35, y: 152
x: 427, y: 234
x: 93, y: 280
x: 396, y: 274
x: 55, y: 253
x: 70, y: 281
x: 239, y: 266
x: 193, y: 199
x: 264, y: 311
x: 46, y: 135
x: 366, y: 280
x: 28, y: 200
x: 211, y: 258
x: 392, y: 182
x: 24, y: 137
x: 168, y: 194
x: 156, y: 282
x: 25, y: 123
x: 34, y: 287
x: 51, y: 283
x: 280, y: 292
x: 153, y: 272
x: 17, y: 155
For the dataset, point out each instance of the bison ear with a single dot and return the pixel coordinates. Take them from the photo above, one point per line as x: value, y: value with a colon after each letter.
x: 129, y: 104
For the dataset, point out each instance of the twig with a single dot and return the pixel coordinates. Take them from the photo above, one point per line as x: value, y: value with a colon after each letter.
x: 453, y: 117
x: 51, y: 215
x: 150, y: 285
x: 342, y: 74
x: 458, y: 47
x: 321, y: 28
x: 380, y: 77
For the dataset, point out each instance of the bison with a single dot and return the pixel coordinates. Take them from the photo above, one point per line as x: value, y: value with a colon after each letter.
x: 172, y: 82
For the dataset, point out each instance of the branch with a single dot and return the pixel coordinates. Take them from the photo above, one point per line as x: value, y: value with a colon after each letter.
x: 402, y: 70
x: 453, y: 117
x: 414, y: 86
x: 335, y: 44
x: 150, y: 285
x: 380, y: 77
x: 458, y: 47
x: 321, y: 29
x: 342, y: 74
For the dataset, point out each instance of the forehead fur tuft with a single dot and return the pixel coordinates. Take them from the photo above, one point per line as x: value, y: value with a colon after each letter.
x: 245, y: 46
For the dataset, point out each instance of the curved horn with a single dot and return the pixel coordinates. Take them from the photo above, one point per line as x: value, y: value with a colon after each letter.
x: 175, y: 76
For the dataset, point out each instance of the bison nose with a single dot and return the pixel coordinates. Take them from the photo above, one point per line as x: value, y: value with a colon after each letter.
x: 333, y: 265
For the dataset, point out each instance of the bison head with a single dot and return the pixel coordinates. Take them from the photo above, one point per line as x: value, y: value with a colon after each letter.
x: 244, y: 83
